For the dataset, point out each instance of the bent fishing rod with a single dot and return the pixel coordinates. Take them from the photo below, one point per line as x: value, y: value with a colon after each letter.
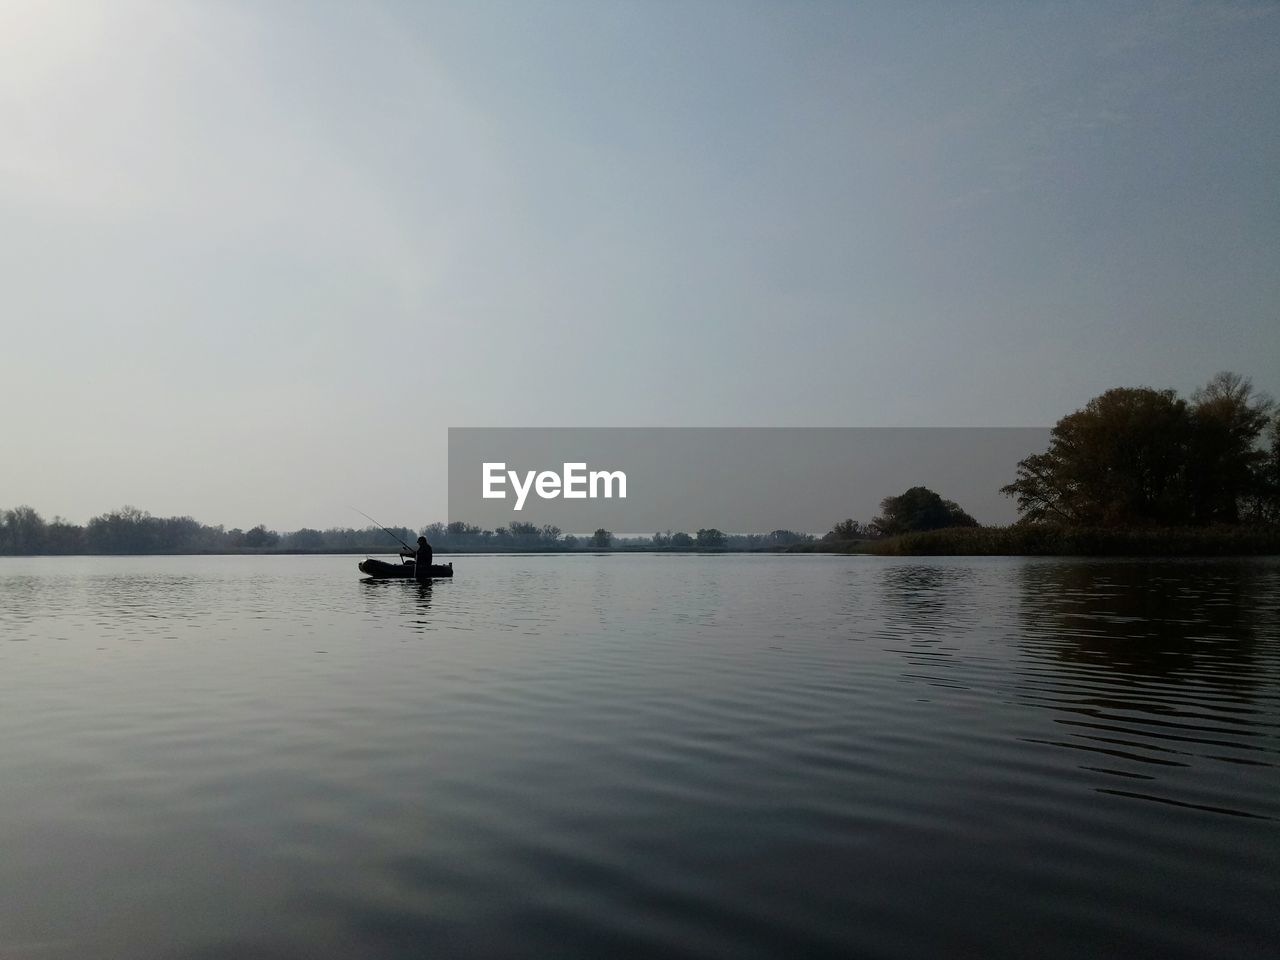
x: 376, y: 524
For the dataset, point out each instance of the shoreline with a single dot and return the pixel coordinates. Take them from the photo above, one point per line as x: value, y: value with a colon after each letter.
x: 1033, y: 540
x: 1014, y: 541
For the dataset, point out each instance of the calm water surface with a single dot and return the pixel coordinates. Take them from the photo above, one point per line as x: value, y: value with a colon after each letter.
x: 625, y: 756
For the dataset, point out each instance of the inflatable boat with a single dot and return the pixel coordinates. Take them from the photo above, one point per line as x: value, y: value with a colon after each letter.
x: 381, y: 570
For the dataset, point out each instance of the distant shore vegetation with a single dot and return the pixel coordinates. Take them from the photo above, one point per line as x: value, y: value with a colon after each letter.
x: 1137, y: 471
x: 131, y: 531
x: 1049, y: 540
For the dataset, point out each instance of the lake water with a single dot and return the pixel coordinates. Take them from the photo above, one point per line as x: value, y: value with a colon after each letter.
x: 639, y: 756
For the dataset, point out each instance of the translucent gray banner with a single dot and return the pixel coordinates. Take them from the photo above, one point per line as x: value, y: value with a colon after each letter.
x: 739, y: 480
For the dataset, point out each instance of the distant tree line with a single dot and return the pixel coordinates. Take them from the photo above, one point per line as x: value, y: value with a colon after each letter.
x: 133, y: 531
x: 124, y: 531
x: 709, y: 538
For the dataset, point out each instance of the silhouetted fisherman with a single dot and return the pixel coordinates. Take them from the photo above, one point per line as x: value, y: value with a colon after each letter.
x: 421, y: 560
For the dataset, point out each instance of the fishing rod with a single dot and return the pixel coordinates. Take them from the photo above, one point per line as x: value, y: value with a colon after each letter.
x: 376, y: 524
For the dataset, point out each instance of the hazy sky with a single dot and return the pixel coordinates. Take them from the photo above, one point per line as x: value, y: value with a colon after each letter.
x: 256, y: 257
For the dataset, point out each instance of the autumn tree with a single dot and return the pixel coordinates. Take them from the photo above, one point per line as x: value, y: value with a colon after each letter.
x: 919, y: 509
x: 851, y: 529
x: 22, y: 530
x: 1226, y: 463
x: 1141, y: 457
x: 709, y: 538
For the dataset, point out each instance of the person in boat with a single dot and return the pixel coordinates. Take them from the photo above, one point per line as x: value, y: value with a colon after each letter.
x: 421, y: 559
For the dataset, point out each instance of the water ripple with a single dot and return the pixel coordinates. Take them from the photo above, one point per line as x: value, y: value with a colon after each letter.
x: 634, y: 756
